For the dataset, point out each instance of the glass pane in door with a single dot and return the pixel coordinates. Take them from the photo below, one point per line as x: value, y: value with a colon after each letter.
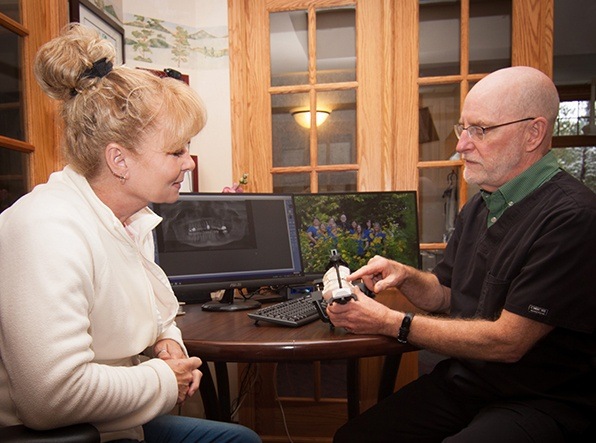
x: 336, y: 137
x: 439, y: 197
x: 490, y: 35
x: 288, y: 41
x: 341, y: 181
x: 439, y: 111
x: 574, y: 53
x: 439, y: 38
x: 290, y: 140
x: 13, y: 176
x: 11, y: 105
x: 297, y: 183
x: 11, y: 8
x: 336, y: 45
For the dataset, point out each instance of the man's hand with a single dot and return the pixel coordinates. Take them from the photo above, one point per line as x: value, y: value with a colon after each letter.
x: 364, y: 316
x: 380, y: 273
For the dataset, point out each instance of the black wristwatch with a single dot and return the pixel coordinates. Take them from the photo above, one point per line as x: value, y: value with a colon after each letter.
x: 404, y: 330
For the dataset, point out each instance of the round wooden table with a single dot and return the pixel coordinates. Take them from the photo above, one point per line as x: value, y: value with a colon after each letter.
x: 222, y: 337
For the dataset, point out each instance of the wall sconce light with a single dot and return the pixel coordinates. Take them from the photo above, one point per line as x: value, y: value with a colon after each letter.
x: 303, y: 117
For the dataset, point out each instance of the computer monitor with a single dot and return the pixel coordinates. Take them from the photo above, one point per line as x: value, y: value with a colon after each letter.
x: 359, y: 225
x: 209, y: 242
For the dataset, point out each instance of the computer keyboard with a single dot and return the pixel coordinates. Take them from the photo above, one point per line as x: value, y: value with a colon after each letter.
x: 295, y: 312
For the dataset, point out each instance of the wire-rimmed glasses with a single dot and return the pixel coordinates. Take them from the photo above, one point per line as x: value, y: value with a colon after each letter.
x: 477, y: 132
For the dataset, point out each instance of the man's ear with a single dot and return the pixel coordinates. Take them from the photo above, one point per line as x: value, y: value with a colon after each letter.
x: 116, y: 159
x: 536, y: 134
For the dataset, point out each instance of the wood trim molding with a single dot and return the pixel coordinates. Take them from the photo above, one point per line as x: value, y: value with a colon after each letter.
x: 574, y: 141
x: 44, y: 20
x: 17, y: 145
x: 533, y: 34
x: 13, y: 26
x: 405, y: 141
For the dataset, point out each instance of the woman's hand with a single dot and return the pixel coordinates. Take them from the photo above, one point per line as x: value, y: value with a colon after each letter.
x: 186, y: 369
x: 168, y: 348
x: 187, y: 374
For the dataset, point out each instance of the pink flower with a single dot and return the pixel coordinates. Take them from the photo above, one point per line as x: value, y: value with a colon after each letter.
x: 236, y: 188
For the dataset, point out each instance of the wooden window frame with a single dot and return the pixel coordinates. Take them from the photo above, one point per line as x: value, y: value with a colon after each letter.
x: 40, y: 22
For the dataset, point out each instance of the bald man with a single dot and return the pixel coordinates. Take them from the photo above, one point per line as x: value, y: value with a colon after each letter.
x: 512, y: 303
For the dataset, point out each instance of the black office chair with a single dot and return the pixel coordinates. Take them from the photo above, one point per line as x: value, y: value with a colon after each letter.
x: 79, y: 433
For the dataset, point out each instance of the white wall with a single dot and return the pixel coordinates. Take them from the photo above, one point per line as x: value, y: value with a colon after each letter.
x: 201, y: 51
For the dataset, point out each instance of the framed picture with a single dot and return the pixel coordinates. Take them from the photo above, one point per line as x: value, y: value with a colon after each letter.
x: 86, y: 13
x: 168, y: 72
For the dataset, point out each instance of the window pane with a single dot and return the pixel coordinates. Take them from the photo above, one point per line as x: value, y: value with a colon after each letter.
x: 579, y: 162
x: 438, y: 196
x: 337, y: 136
x: 431, y: 258
x: 13, y: 176
x: 298, y: 183
x: 573, y: 117
x: 574, y: 52
x: 11, y: 8
x: 439, y: 111
x: 439, y: 38
x: 291, y: 146
x: 490, y: 35
x: 337, y: 181
x: 336, y: 45
x: 289, y: 48
x: 11, y: 109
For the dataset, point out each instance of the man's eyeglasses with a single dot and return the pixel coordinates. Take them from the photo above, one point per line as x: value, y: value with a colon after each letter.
x: 477, y: 132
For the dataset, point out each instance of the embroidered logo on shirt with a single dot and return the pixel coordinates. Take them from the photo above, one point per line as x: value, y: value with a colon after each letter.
x: 537, y: 310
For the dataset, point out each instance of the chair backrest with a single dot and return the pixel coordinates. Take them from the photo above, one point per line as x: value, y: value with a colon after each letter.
x: 79, y: 433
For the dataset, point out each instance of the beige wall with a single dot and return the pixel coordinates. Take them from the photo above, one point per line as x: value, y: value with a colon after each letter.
x: 205, y: 61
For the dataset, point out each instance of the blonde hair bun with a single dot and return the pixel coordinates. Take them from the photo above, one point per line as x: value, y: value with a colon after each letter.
x: 60, y: 64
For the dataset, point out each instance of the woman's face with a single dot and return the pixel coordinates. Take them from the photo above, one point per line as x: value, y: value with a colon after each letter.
x: 157, y: 171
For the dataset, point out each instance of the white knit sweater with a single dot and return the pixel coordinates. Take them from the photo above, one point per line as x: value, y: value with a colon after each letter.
x: 80, y: 299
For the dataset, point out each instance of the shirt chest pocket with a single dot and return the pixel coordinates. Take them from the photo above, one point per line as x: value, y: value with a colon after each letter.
x: 492, y: 297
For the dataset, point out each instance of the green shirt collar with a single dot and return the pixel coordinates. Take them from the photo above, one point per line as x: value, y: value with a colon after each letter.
x: 519, y: 187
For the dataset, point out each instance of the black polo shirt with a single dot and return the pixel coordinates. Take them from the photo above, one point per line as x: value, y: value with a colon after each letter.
x: 538, y: 261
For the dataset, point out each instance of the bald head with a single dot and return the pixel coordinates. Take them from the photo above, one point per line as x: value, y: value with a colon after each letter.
x: 517, y: 92
x: 518, y: 107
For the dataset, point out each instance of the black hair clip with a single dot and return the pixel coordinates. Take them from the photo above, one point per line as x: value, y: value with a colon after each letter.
x: 173, y: 73
x: 100, y: 69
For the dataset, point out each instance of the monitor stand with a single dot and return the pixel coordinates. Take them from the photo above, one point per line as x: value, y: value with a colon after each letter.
x: 227, y: 303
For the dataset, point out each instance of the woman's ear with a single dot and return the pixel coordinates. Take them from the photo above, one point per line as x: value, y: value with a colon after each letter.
x: 116, y: 160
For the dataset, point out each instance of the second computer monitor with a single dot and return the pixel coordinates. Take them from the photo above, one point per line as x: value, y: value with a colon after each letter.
x: 359, y: 225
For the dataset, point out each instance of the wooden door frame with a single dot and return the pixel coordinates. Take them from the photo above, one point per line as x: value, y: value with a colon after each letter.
x: 387, y: 128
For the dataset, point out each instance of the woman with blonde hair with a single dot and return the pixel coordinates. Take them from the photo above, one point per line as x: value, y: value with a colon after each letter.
x: 87, y: 318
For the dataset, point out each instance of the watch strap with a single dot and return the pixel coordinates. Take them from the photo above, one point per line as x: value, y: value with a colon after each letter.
x: 404, y: 329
